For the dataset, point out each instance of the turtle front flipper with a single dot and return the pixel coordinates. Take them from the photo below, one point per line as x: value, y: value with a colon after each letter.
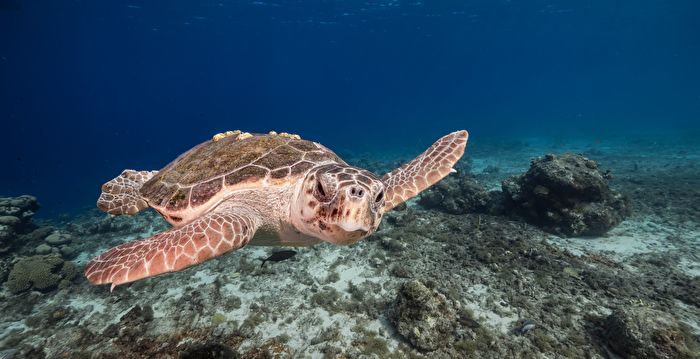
x: 121, y: 194
x: 425, y: 170
x: 223, y: 230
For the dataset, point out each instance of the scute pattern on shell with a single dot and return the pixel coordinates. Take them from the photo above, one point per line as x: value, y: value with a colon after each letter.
x: 197, y: 175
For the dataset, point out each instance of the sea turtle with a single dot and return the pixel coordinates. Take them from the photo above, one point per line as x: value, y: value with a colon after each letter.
x: 263, y: 189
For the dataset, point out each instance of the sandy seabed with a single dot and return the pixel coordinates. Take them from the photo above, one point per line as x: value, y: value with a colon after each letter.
x: 505, y: 288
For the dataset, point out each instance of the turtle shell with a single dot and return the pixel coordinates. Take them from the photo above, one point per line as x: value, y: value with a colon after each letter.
x: 200, y: 173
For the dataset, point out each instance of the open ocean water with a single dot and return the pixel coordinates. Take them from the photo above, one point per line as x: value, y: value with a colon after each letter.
x: 569, y: 228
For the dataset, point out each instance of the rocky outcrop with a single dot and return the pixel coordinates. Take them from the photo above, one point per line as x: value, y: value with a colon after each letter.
x: 5, y: 267
x: 96, y: 222
x: 22, y: 207
x: 16, y: 219
x: 58, y: 238
x: 423, y: 316
x: 566, y: 195
x: 460, y: 195
x: 640, y: 332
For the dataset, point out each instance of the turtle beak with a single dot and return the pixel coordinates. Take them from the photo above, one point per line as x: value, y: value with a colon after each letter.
x: 352, y: 227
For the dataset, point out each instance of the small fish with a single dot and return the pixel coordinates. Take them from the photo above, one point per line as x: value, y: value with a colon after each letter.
x: 8, y: 353
x: 279, y: 256
x: 526, y: 326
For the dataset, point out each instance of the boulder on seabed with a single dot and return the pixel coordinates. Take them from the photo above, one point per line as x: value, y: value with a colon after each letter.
x: 566, y: 195
x: 642, y: 332
x: 58, y: 238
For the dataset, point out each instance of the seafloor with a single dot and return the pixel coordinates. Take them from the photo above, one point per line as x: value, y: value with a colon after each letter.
x: 429, y: 283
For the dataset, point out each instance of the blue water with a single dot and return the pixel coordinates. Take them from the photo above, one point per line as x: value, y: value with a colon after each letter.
x: 88, y: 88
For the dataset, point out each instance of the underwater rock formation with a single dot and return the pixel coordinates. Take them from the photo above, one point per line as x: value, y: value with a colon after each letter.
x: 22, y: 207
x: 566, y: 195
x: 5, y: 267
x: 640, y: 332
x: 43, y: 249
x: 423, y: 316
x: 58, y: 242
x: 16, y: 218
x: 95, y: 222
x: 43, y: 273
x: 58, y: 238
x: 460, y: 195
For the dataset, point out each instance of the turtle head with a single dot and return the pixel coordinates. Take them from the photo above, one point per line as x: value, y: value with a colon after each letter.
x: 338, y: 204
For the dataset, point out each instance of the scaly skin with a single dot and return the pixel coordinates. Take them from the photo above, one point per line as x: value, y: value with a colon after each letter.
x: 223, y: 230
x: 121, y: 195
x: 331, y: 201
x: 425, y: 170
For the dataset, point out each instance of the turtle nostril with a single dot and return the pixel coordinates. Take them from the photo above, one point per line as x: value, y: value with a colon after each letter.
x: 356, y: 192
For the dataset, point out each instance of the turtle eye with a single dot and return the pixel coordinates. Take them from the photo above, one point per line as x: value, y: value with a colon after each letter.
x: 379, y: 197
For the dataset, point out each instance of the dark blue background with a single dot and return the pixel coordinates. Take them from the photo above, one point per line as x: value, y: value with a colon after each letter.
x: 88, y: 88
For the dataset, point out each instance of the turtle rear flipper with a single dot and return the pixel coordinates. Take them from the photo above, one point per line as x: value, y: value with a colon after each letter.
x: 121, y: 194
x: 425, y: 170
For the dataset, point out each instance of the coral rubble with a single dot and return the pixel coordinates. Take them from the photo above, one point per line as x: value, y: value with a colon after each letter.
x: 422, y: 316
x: 461, y: 194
